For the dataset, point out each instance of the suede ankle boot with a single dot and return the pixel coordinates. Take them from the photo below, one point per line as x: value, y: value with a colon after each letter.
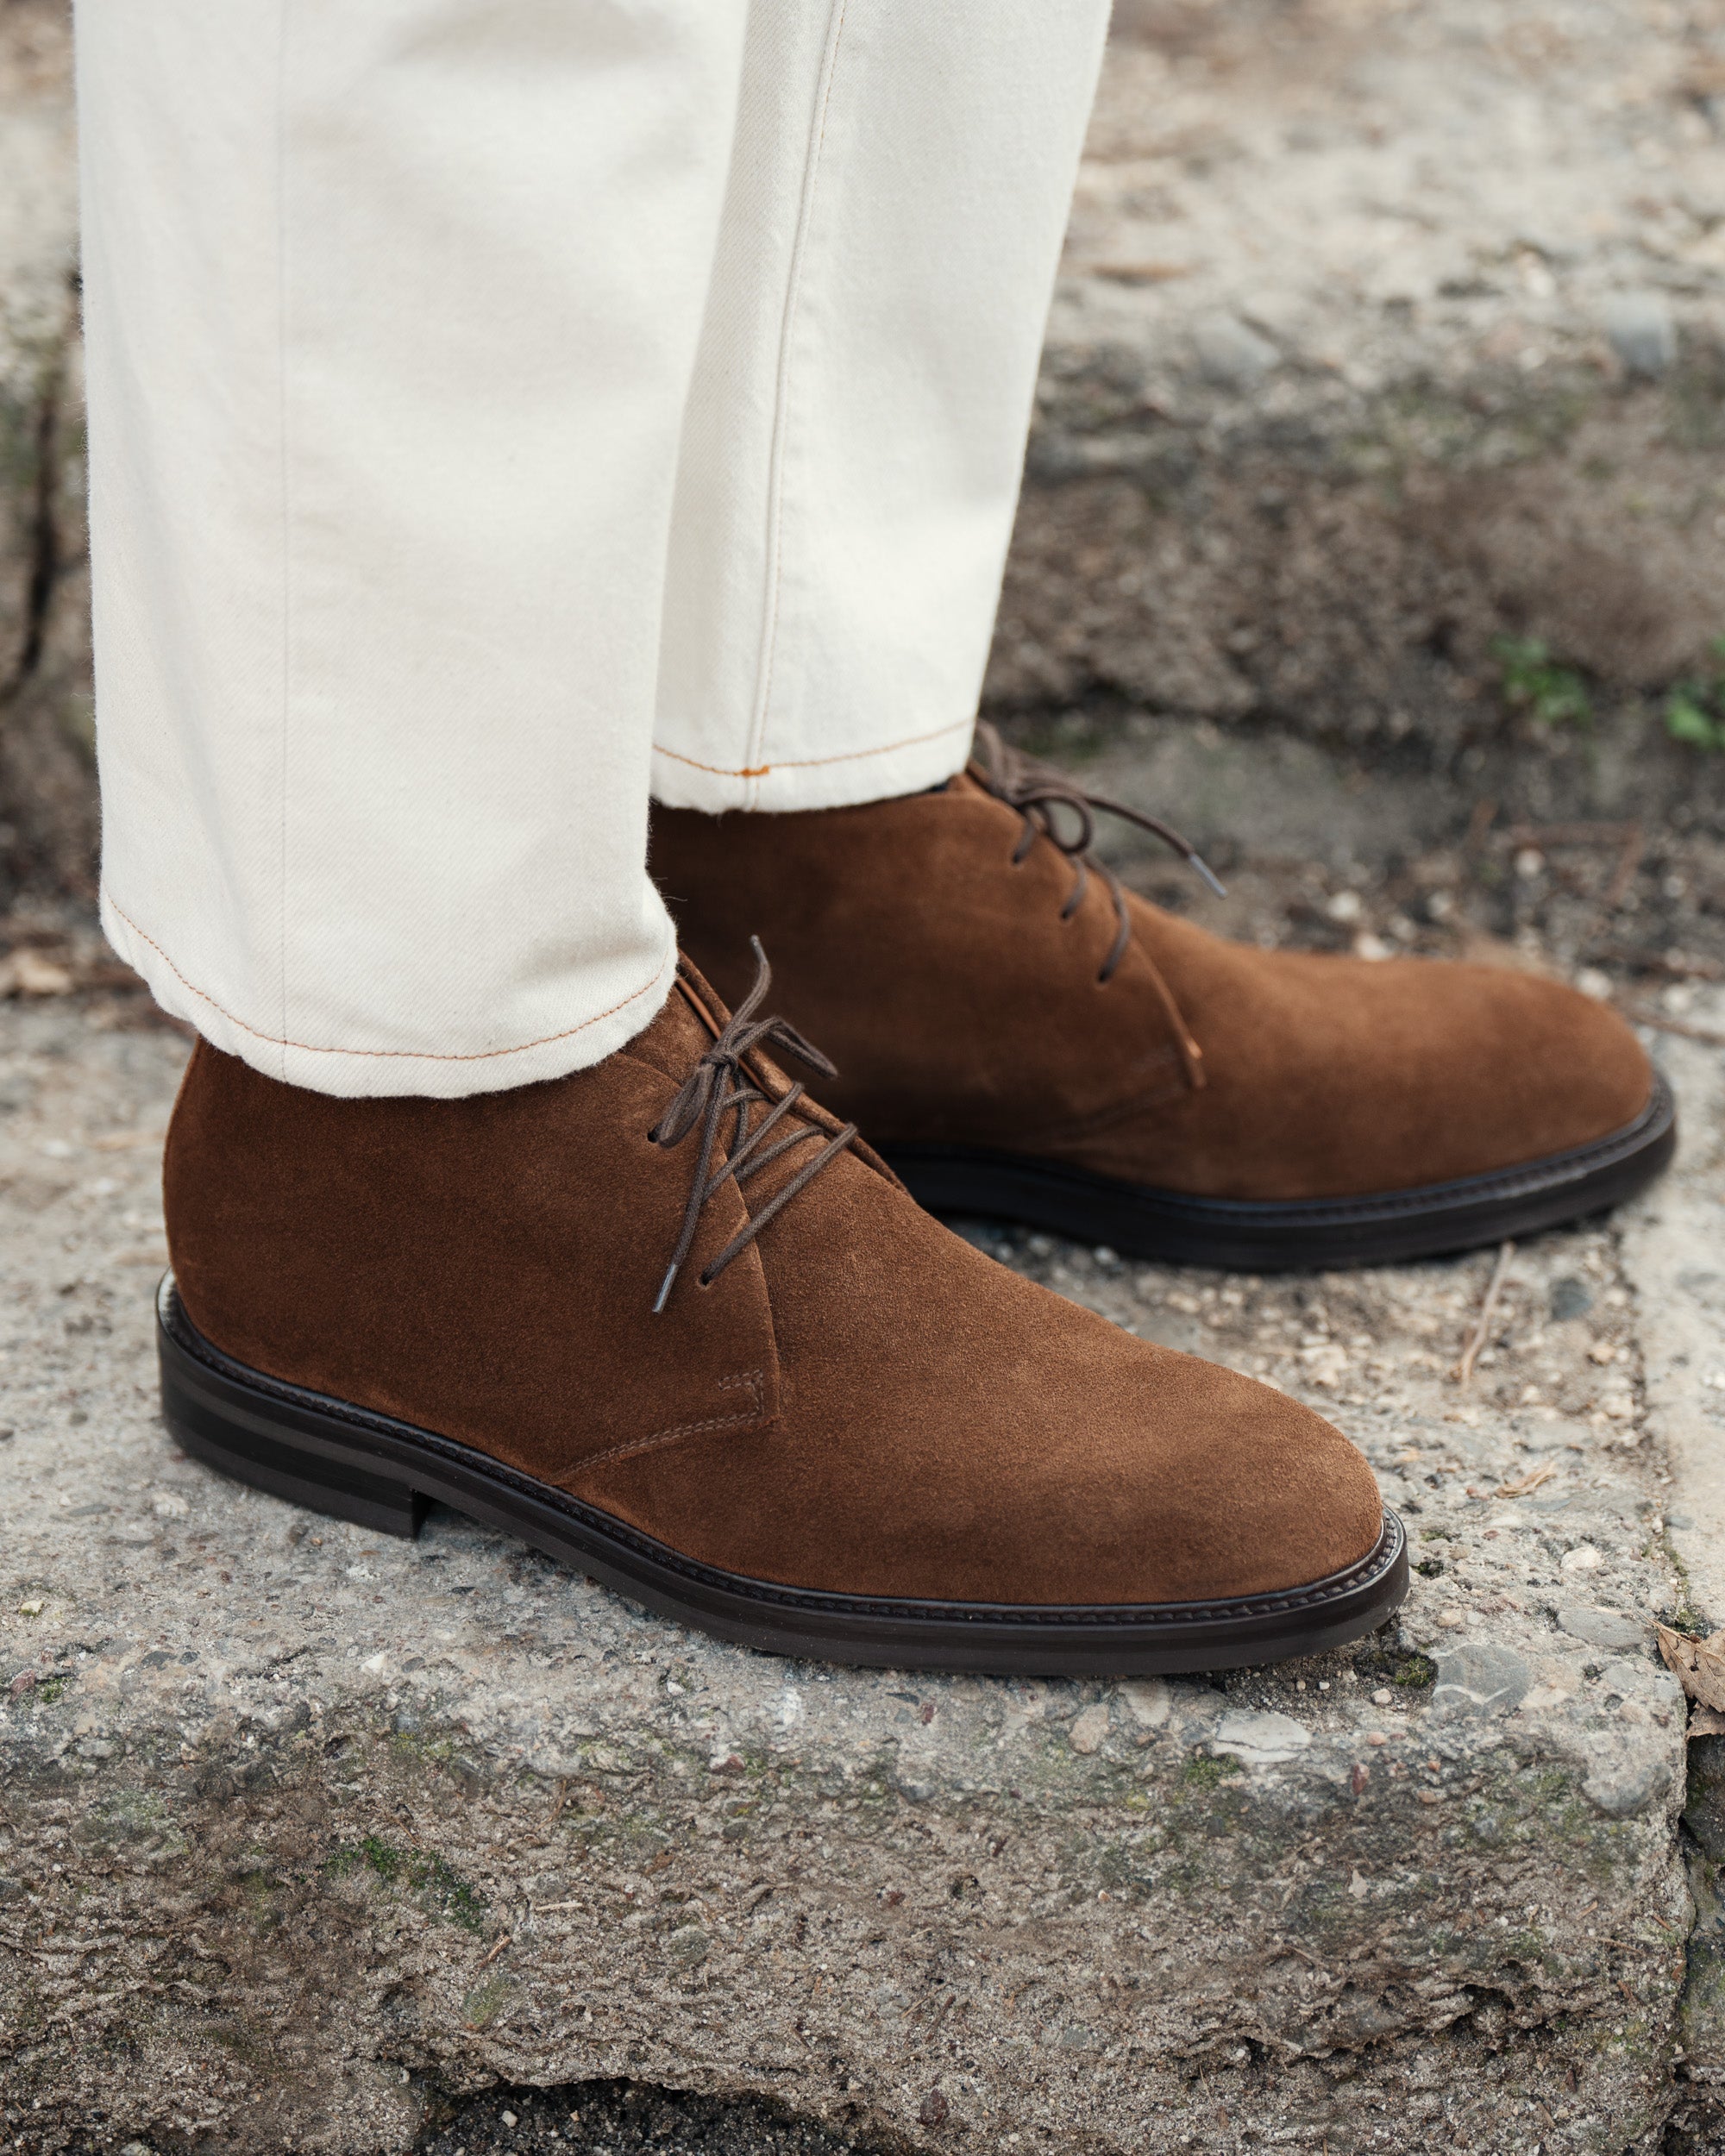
x: 669, y: 1321
x: 1024, y: 1039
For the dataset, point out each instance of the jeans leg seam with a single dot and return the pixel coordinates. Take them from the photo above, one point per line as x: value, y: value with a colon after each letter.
x: 286, y: 507
x: 770, y: 621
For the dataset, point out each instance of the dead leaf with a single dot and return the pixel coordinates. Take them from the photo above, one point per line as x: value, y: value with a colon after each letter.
x: 34, y: 975
x: 1697, y: 1665
x: 1528, y: 1483
x: 1139, y: 272
x: 1705, y: 1721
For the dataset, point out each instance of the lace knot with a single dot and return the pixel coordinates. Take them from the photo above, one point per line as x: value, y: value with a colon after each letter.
x: 719, y: 1086
x: 1041, y: 795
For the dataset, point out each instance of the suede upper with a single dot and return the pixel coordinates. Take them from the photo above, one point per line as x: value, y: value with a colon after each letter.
x: 859, y: 1402
x: 962, y: 1001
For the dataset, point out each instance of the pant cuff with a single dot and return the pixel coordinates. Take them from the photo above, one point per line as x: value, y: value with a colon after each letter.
x: 577, y: 1040
x: 679, y: 780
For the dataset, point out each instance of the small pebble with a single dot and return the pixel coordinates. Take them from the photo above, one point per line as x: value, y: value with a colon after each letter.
x: 1230, y: 353
x: 1375, y: 1737
x: 1641, y: 331
x: 1383, y: 1699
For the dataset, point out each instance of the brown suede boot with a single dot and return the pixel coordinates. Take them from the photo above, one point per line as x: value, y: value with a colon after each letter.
x: 666, y: 1320
x: 1021, y: 1038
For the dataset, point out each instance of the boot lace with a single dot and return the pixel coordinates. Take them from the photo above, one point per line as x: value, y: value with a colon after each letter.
x: 1040, y: 794
x: 719, y: 1087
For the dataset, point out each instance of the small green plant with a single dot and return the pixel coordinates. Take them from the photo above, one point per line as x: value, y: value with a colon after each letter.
x: 1688, y: 719
x: 1416, y: 1672
x: 1532, y: 680
x: 1695, y: 711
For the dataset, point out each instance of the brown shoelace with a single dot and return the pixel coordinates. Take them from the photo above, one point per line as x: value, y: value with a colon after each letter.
x: 719, y: 1086
x: 1040, y: 793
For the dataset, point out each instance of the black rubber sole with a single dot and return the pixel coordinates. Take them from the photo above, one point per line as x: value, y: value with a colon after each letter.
x: 382, y: 1475
x: 1316, y: 1234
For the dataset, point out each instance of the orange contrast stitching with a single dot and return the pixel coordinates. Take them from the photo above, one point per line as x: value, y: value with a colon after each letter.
x: 811, y: 763
x: 403, y: 1055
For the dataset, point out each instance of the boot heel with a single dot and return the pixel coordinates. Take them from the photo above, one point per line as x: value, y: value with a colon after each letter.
x: 276, y: 1445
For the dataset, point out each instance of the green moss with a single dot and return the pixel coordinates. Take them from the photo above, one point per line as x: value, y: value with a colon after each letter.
x: 1205, y: 1770
x: 1685, y: 1618
x: 1414, y: 1672
x: 432, y: 1884
x: 486, y: 2001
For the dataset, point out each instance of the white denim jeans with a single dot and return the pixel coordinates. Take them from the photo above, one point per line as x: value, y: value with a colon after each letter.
x: 500, y: 408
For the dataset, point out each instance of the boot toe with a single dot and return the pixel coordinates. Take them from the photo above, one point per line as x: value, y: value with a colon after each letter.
x: 1559, y: 1069
x: 1239, y: 1490
x: 1332, y: 1077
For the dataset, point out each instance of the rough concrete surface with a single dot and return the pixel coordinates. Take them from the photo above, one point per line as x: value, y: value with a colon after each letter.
x: 47, y: 802
x: 307, y: 1832
x: 1387, y: 332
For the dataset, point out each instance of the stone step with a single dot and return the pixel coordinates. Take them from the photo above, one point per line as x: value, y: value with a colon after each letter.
x: 305, y: 1826
x: 1386, y: 334
x: 48, y: 777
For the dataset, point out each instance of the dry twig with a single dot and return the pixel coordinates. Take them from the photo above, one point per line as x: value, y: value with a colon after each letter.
x: 1572, y: 834
x: 1660, y: 1024
x: 1678, y: 965
x: 1623, y: 875
x: 1485, y: 815
x: 1494, y: 1289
